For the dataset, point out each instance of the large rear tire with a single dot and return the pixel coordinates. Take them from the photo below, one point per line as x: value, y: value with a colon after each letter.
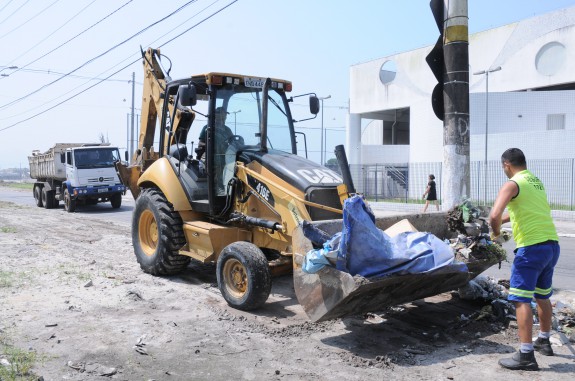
x: 69, y: 202
x: 157, y: 234
x: 244, y: 276
x: 38, y: 195
x: 48, y: 198
x: 116, y: 200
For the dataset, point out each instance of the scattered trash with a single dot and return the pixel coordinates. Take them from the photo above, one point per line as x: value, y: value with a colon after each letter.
x: 80, y: 366
x: 503, y: 310
x: 483, y: 287
x: 140, y: 349
x: 135, y: 294
x: 316, y: 259
x: 93, y: 368
x: 89, y: 284
x: 317, y: 236
x: 139, y: 346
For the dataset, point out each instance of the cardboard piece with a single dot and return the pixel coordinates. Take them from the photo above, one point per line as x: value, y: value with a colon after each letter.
x: 400, y: 227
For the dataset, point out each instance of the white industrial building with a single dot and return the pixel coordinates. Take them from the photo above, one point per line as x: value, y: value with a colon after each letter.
x: 531, y: 105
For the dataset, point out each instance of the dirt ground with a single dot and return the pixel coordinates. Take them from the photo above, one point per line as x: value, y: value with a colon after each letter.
x: 72, y: 292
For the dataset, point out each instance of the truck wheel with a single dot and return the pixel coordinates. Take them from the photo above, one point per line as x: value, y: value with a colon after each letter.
x: 38, y: 195
x: 47, y: 198
x: 244, y: 276
x: 69, y: 202
x: 116, y: 200
x: 157, y: 234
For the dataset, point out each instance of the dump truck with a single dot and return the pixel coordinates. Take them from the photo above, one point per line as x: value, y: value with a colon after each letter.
x: 76, y: 173
x: 241, y: 201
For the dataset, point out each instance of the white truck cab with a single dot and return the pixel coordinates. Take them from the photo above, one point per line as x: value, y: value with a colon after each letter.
x: 77, y: 173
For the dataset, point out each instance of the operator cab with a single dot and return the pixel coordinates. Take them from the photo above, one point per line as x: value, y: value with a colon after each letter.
x: 236, y: 106
x: 256, y: 117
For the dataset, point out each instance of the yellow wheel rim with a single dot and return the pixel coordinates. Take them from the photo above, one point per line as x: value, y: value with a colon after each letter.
x: 235, y: 277
x: 148, y: 232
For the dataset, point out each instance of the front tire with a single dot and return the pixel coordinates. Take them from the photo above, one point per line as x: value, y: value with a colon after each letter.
x: 157, y: 234
x: 244, y: 276
x: 69, y: 202
x: 116, y: 200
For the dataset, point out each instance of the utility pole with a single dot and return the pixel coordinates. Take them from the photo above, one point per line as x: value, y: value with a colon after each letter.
x: 449, y: 61
x: 235, y: 120
x: 486, y: 72
x: 128, y: 134
x: 322, y: 133
x: 132, y: 116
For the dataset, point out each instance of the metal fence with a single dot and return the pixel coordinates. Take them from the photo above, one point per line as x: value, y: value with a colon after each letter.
x: 406, y: 182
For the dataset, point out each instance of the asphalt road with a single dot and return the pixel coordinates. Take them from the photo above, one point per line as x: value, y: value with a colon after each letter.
x: 103, y: 211
x: 564, y: 278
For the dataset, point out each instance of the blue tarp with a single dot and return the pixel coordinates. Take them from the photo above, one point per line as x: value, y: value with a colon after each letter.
x: 366, y: 250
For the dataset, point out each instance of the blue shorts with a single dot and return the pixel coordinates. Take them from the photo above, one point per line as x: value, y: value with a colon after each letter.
x: 532, y: 272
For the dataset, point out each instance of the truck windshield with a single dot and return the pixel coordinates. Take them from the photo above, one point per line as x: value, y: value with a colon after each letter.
x: 244, y: 110
x: 96, y: 157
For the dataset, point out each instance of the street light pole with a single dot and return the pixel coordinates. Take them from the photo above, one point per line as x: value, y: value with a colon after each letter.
x: 322, y: 133
x: 235, y: 112
x: 486, y: 72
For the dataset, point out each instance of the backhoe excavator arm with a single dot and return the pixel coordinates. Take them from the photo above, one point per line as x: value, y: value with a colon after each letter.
x: 154, y: 94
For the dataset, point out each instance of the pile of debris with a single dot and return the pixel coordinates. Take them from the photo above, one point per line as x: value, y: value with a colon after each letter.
x: 473, y: 243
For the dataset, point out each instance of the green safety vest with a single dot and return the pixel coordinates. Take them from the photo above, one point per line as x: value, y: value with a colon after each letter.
x: 529, y: 212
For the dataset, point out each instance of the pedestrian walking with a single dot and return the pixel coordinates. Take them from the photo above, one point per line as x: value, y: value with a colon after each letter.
x: 536, y: 254
x: 431, y: 193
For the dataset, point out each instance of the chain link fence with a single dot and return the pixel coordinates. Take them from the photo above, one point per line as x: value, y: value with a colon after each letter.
x: 405, y: 183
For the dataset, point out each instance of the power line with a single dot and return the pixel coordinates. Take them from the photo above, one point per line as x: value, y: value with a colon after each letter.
x: 67, y: 99
x: 96, y: 78
x: 116, y: 72
x: 99, y: 56
x: 105, y: 79
x: 30, y: 19
x: 193, y: 26
x: 8, y: 3
x: 51, y: 34
x: 17, y: 9
x: 54, y: 72
x: 73, y: 38
x: 182, y: 23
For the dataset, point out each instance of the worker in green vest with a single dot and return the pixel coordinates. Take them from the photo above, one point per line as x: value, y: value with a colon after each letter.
x: 536, y: 254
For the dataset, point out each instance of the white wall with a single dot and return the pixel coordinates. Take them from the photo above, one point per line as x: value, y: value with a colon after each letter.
x: 517, y: 49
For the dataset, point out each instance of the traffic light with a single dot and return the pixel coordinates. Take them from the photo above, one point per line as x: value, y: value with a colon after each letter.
x: 435, y: 59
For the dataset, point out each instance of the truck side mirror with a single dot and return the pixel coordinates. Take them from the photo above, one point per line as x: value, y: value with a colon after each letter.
x: 313, y: 104
x: 62, y: 157
x: 126, y: 156
x: 187, y: 95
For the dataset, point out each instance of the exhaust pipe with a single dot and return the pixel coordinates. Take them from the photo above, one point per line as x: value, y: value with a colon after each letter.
x: 344, y: 167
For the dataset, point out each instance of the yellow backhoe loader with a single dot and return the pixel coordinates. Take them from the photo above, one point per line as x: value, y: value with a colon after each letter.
x: 240, y: 200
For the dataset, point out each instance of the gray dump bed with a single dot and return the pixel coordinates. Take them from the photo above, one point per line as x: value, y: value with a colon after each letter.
x: 49, y: 165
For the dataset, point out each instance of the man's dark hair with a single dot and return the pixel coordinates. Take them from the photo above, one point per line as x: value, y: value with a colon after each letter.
x: 432, y: 177
x: 515, y: 157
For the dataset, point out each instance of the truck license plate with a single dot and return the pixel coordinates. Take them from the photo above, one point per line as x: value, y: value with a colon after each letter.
x: 102, y: 190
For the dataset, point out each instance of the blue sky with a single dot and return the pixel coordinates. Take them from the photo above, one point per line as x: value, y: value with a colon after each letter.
x: 311, y: 43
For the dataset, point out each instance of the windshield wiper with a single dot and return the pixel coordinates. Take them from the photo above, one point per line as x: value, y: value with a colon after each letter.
x: 277, y: 105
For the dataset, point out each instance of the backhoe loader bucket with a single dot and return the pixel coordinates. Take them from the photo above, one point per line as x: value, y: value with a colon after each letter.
x: 330, y: 293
